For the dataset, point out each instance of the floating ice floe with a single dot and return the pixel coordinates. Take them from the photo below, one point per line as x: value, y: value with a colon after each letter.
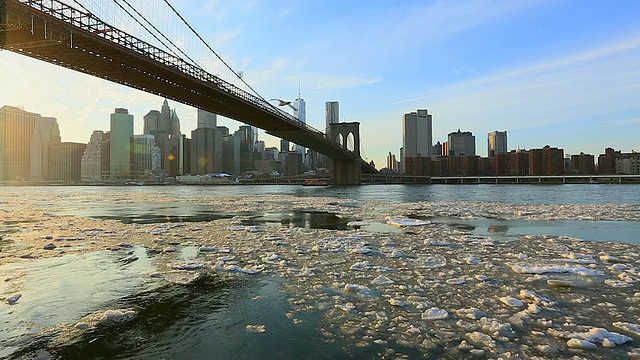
x: 238, y: 269
x: 581, y: 344
x: 358, y: 223
x: 629, y: 327
x: 362, y: 265
x: 381, y: 280
x: 513, y: 302
x: 348, y: 307
x: 189, y: 266
x: 435, y: 313
x: 256, y: 328
x: 402, y: 222
x: 14, y: 299
x: 433, y: 242
x: 480, y: 339
x: 430, y: 262
x: 251, y: 228
x: 540, y: 268
x: 597, y: 335
x: 207, y: 249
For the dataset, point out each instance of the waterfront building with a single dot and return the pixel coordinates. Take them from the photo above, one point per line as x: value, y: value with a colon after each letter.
x: 121, y: 132
x: 95, y: 160
x: 65, y: 161
x: 583, y: 164
x: 416, y: 134
x: 461, y: 143
x: 617, y: 162
x: 496, y: 143
x: 628, y: 166
x: 546, y: 161
x: 416, y: 139
x: 300, y: 113
x: 284, y: 146
x: 25, y: 138
x: 331, y: 114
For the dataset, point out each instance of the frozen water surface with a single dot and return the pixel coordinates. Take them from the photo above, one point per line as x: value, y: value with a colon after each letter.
x: 427, y: 289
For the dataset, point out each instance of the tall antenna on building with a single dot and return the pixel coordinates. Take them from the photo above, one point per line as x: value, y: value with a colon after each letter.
x: 299, y: 89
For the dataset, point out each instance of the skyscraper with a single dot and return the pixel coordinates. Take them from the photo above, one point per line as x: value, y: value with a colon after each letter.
x: 496, y: 143
x: 332, y: 114
x: 206, y: 145
x: 164, y: 125
x: 146, y: 156
x: 461, y: 143
x: 300, y: 113
x: 121, y: 131
x: 65, y: 161
x: 206, y: 120
x: 95, y: 160
x: 416, y: 134
x: 25, y: 138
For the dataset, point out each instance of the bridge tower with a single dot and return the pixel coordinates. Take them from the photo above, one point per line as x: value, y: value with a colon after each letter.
x: 346, y: 171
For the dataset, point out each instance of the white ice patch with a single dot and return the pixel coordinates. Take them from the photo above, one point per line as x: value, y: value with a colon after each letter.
x: 381, y: 280
x: 581, y: 344
x: 541, y: 268
x: 480, y: 339
x: 629, y: 327
x: 513, y: 302
x: 430, y: 262
x: 402, y: 222
x: 256, y: 328
x: 599, y: 335
x: 433, y: 242
x: 435, y: 314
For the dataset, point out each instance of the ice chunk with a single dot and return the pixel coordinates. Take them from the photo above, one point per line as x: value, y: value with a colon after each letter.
x: 256, y: 328
x: 12, y: 300
x: 513, y: 302
x: 363, y: 265
x: 598, y: 335
x: 381, y: 280
x: 435, y: 313
x: 348, y: 307
x: 358, y: 223
x: 437, y: 243
x: 580, y: 344
x: 430, y: 262
x: 542, y: 268
x: 630, y: 327
x: 480, y: 339
x: 402, y: 222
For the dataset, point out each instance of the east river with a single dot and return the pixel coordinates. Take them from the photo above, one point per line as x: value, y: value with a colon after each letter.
x: 293, y: 272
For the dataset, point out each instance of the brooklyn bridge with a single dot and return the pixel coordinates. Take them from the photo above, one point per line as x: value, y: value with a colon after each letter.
x: 75, y: 37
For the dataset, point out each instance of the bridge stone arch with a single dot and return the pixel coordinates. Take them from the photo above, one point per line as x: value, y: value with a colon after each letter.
x: 346, y: 171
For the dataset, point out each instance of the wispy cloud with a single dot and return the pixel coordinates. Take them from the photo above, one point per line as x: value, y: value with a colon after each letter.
x: 534, y: 72
x: 320, y: 82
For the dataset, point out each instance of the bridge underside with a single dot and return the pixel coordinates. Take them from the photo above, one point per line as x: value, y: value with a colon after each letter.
x: 44, y: 37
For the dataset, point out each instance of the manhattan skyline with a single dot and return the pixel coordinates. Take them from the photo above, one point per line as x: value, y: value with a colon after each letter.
x: 563, y: 73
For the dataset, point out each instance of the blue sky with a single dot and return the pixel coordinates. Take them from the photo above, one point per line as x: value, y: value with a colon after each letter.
x: 563, y: 73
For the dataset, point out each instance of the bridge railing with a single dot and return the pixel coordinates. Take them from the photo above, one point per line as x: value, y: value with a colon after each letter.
x: 89, y: 23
